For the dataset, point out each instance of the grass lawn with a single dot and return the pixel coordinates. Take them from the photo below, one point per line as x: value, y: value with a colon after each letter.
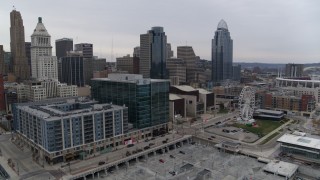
x: 264, y: 127
x: 270, y: 137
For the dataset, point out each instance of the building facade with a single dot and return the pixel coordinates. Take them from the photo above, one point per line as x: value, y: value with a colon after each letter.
x: 68, y: 124
x: 146, y: 99
x: 86, y: 48
x: 3, y: 69
x: 43, y: 64
x: 28, y: 54
x: 222, y: 54
x: 294, y: 70
x: 63, y: 46
x: 19, y: 59
x: 125, y: 63
x: 72, y: 70
x: 187, y: 54
x: 2, y: 97
x: 177, y: 71
x: 153, y: 54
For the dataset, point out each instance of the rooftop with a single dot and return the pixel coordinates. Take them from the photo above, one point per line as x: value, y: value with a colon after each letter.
x: 67, y: 107
x: 129, y: 78
x: 269, y: 111
x: 173, y: 97
x: 300, y: 141
x: 203, y: 91
x: 281, y: 168
x: 185, y: 88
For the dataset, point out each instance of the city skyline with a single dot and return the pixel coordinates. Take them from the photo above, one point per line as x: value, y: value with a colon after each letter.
x: 269, y: 31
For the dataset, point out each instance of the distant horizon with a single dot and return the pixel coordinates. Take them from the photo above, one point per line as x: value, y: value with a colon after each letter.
x: 263, y: 32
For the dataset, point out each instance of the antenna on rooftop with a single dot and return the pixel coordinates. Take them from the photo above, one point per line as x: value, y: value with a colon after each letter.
x: 14, y: 8
x: 112, y: 49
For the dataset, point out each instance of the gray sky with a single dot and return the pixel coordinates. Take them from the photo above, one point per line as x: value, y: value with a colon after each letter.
x: 273, y: 31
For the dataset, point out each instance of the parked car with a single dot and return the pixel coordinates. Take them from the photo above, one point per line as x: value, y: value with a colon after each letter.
x: 161, y: 160
x: 146, y: 140
x: 164, y: 141
x: 101, y: 163
x: 128, y: 153
x: 172, y: 173
x: 172, y: 156
x: 151, y: 144
x: 210, y: 139
x: 182, y: 152
x: 213, y: 137
x: 147, y: 147
x: 153, y: 138
x: 130, y: 145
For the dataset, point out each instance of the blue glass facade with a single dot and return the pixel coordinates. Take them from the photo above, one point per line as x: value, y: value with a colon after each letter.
x: 222, y: 54
x: 148, y: 104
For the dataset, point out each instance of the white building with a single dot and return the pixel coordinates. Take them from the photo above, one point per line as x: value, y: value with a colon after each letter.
x: 300, y: 87
x: 63, y: 90
x: 43, y: 64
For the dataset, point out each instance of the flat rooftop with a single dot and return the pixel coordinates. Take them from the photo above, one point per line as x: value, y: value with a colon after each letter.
x: 68, y: 107
x: 281, y: 168
x: 269, y: 111
x: 300, y: 141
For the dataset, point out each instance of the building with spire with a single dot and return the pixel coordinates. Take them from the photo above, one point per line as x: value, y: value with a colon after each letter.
x: 43, y: 64
x: 19, y: 60
x: 222, y: 54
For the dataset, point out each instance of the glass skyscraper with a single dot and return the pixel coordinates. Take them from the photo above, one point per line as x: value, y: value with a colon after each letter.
x: 147, y: 99
x: 153, y: 54
x: 222, y: 54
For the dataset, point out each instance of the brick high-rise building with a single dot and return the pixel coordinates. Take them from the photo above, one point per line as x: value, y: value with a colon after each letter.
x: 20, y: 61
x: 187, y: 54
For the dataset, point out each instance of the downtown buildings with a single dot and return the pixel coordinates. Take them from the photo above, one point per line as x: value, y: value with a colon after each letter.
x: 19, y: 60
x: 63, y: 46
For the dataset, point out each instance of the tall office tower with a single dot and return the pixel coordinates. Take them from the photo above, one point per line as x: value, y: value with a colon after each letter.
x: 2, y: 98
x: 63, y: 46
x: 294, y: 70
x: 8, y: 61
x: 86, y: 48
x: 27, y: 45
x: 43, y: 64
x: 72, y: 70
x: 187, y: 54
x: 2, y: 63
x: 20, y: 61
x: 222, y: 54
x: 177, y: 71
x: 136, y: 51
x: 169, y: 51
x: 153, y: 53
x: 147, y: 99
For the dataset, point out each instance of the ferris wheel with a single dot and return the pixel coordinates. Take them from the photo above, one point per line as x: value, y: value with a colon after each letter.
x: 246, y: 103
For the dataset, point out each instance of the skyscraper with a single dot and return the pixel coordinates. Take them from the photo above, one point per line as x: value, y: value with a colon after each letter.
x: 86, y: 48
x: 63, y: 46
x: 43, y: 64
x: 20, y: 61
x: 153, y: 54
x: 72, y: 70
x: 2, y: 99
x: 222, y: 52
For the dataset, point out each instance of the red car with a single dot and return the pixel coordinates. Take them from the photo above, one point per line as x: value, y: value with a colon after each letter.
x: 161, y: 160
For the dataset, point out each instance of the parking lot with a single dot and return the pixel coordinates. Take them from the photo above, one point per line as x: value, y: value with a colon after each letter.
x: 189, y: 162
x: 233, y: 133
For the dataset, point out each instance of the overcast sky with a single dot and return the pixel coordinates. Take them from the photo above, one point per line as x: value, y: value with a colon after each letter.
x: 270, y: 31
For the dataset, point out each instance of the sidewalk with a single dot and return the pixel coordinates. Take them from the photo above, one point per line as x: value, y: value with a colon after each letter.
x: 4, y: 164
